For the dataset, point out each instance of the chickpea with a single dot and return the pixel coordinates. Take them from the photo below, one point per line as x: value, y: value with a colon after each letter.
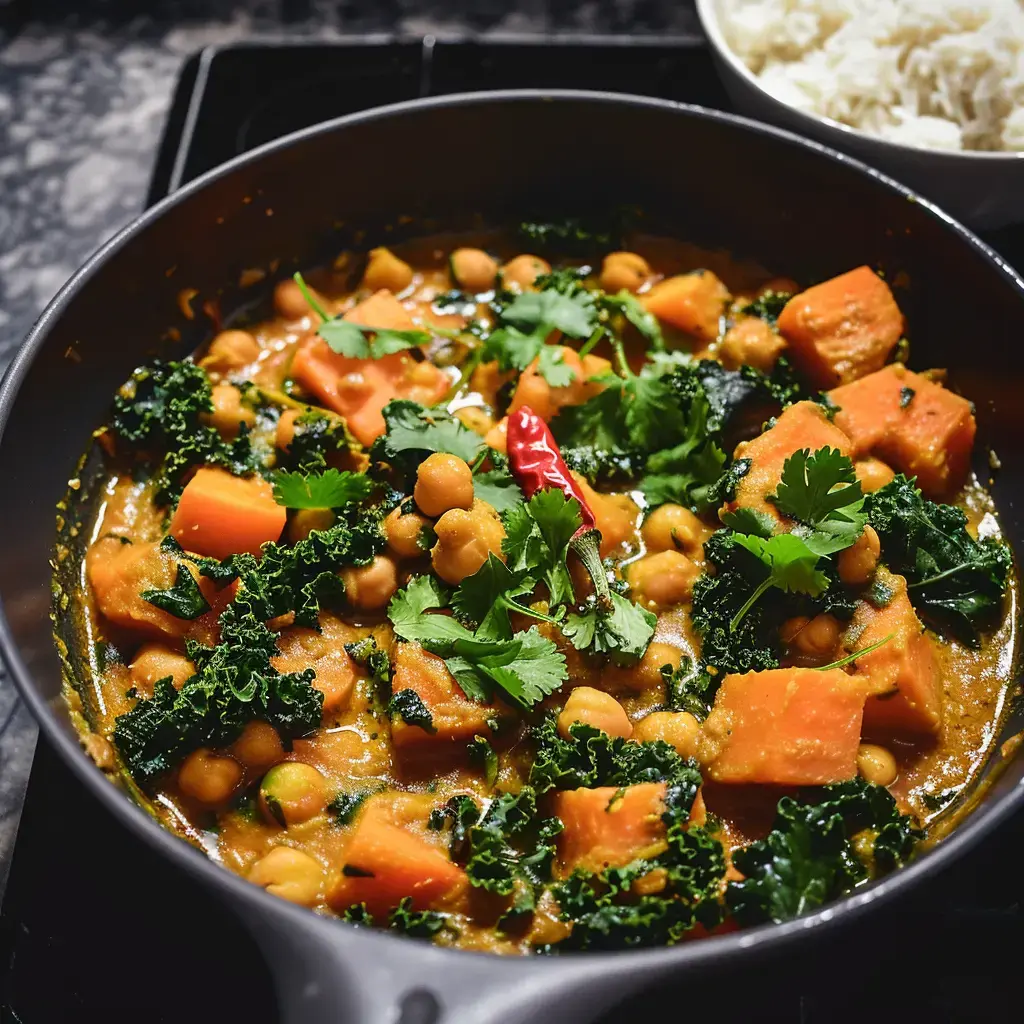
x: 475, y: 418
x: 404, y: 532
x: 751, y: 342
x: 443, y: 482
x: 473, y: 269
x: 624, y: 271
x: 858, y: 562
x: 292, y: 792
x: 385, y: 270
x: 371, y: 586
x: 673, y: 528
x: 817, y: 638
x: 290, y: 303
x: 228, y: 411
x: 230, y: 350
x: 876, y: 764
x: 664, y: 578
x: 521, y: 272
x: 678, y: 729
x: 595, y: 708
x: 290, y: 874
x: 305, y: 520
x: 155, y: 661
x: 464, y: 540
x: 258, y: 747
x: 285, y: 433
x: 873, y: 474
x: 791, y: 628
x: 646, y: 673
x: 208, y: 777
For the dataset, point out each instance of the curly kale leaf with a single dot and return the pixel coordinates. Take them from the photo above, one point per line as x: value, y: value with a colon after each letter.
x: 184, y: 600
x: 160, y: 411
x: 591, y: 758
x: 316, y: 436
x: 571, y: 236
x: 956, y: 582
x: 808, y: 858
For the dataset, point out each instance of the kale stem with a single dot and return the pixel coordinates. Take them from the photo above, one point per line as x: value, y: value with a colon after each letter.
x: 749, y: 603
x: 850, y: 658
x: 939, y: 576
x: 591, y: 343
x: 308, y: 296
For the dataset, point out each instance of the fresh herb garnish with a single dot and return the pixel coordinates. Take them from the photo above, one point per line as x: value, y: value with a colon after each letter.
x: 328, y: 489
x: 414, y: 432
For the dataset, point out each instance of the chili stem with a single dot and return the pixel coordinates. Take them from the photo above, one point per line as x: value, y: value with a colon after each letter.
x: 587, y: 546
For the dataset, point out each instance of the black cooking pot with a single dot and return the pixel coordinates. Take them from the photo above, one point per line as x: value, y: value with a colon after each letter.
x: 797, y: 207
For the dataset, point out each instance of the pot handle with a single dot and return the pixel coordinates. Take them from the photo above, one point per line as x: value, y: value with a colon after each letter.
x: 326, y: 972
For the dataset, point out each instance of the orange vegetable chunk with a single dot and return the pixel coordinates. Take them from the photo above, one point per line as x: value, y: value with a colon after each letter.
x: 912, y: 423
x: 786, y: 727
x: 358, y: 389
x: 902, y: 676
x: 456, y: 718
x: 386, y: 863
x: 220, y: 514
x: 608, y: 827
x: 843, y: 328
x: 692, y: 302
x: 803, y: 425
x: 118, y: 574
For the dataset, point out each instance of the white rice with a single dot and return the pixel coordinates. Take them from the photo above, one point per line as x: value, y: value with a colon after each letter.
x: 944, y: 74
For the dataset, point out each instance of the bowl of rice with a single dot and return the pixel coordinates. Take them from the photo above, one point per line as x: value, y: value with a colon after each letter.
x: 929, y: 91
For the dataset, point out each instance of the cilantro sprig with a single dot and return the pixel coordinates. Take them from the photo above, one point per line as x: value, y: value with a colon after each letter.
x: 329, y: 489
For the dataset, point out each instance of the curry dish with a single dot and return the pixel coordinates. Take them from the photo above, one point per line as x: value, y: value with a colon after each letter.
x: 612, y: 596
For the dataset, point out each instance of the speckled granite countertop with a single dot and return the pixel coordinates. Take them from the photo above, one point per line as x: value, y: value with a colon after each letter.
x: 84, y: 89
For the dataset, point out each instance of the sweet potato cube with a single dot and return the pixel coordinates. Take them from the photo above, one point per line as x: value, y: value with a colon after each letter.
x: 455, y: 717
x: 219, y: 514
x: 385, y: 863
x: 692, y: 302
x: 803, y: 425
x: 912, y: 423
x: 785, y: 727
x: 359, y: 389
x: 843, y: 328
x: 902, y: 676
x: 609, y: 827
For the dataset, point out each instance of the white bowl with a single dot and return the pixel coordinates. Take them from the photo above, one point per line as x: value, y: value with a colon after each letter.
x: 985, y: 190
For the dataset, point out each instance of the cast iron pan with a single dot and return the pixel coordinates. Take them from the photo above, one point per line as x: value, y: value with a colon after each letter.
x: 801, y: 209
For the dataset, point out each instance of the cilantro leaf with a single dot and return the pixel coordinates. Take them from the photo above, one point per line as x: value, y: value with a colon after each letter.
x: 552, y: 367
x: 358, y: 341
x: 749, y: 520
x: 414, y: 432
x: 573, y: 315
x: 498, y: 488
x: 487, y: 597
x: 328, y: 489
x: 184, y: 600
x: 537, y: 535
x: 809, y: 489
x: 623, y: 632
x: 628, y: 305
x: 407, y: 612
x: 791, y: 564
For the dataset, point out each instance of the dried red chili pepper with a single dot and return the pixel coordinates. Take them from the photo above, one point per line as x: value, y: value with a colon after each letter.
x: 537, y: 465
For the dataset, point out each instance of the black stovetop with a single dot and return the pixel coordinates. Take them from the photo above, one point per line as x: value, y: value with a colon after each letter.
x: 95, y: 927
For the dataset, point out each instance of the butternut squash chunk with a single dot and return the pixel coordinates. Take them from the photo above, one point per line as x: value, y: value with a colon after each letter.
x: 692, y: 302
x: 785, y: 727
x: 902, y: 676
x: 912, y: 423
x: 803, y: 425
x: 220, y: 514
x: 843, y: 328
x: 384, y: 864
x: 455, y: 718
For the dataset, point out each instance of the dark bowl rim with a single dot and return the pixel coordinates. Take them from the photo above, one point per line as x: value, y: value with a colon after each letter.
x: 255, y: 900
